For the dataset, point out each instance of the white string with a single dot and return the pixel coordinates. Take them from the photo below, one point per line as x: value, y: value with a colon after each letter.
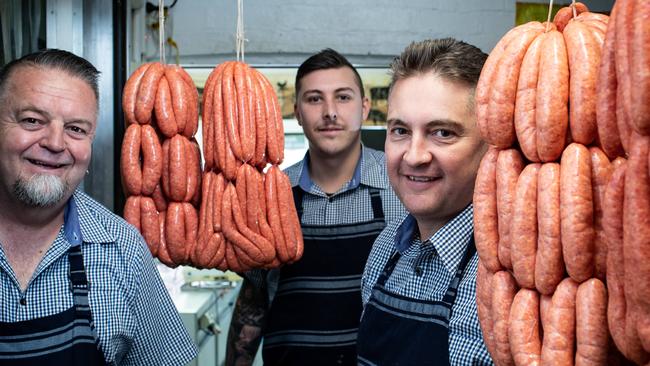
x: 573, y: 6
x: 240, y: 39
x: 161, y: 30
x: 548, y: 20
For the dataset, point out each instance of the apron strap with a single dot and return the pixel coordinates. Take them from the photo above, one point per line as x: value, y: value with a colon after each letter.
x: 375, y: 199
x: 298, y: 194
x: 452, y: 291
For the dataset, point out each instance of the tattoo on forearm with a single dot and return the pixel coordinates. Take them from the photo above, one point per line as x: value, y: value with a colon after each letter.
x: 245, y: 333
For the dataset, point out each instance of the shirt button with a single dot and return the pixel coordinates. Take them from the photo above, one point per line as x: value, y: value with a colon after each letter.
x: 418, y: 271
x: 23, y: 301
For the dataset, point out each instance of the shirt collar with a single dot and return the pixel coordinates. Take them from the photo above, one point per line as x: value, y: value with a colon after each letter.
x: 307, y: 184
x: 71, y: 226
x: 363, y: 173
x: 91, y: 228
x: 450, y: 241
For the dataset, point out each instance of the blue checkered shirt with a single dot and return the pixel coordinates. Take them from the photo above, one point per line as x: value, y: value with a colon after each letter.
x: 136, y: 321
x: 425, y: 271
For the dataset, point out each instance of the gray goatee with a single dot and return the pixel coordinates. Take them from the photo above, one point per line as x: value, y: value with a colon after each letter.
x: 41, y: 190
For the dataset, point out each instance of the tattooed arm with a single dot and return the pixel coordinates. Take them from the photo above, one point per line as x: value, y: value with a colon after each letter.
x: 245, y: 333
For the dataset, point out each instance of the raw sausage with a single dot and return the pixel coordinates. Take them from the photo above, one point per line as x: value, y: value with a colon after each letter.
x: 485, y: 211
x: 130, y: 92
x: 577, y: 212
x: 523, y: 330
x: 504, y: 289
x: 147, y: 92
x: 592, y: 336
x: 552, y: 97
x: 639, y: 64
x: 130, y: 166
x: 524, y: 227
x: 151, y: 160
x: 509, y: 167
x: 601, y: 171
x: 549, y: 265
x: 484, y: 305
x: 560, y: 327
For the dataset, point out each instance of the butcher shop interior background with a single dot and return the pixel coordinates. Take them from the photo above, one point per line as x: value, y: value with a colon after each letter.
x: 118, y: 36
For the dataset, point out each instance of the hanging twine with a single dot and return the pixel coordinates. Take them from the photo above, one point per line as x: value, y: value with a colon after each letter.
x: 573, y: 7
x: 240, y: 39
x: 161, y: 30
x: 550, y: 11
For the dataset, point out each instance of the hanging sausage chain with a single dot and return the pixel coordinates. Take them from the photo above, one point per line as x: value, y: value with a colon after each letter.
x: 562, y: 196
x: 231, y: 215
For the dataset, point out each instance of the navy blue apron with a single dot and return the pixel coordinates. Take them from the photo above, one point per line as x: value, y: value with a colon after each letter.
x: 398, y: 330
x: 67, y: 338
x: 314, y: 317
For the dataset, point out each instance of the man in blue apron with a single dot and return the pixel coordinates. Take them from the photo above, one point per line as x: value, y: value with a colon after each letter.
x: 418, y: 285
x: 78, y: 285
x: 343, y: 199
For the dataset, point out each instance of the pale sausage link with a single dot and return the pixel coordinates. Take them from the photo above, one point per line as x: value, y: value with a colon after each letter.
x: 523, y: 330
x: 147, y: 93
x: 549, y: 265
x: 524, y: 227
x: 509, y: 167
x: 486, y: 234
x: 151, y: 160
x: 130, y: 93
x: 130, y: 166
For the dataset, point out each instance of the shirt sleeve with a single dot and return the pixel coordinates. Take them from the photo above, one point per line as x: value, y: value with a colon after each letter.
x: 160, y: 337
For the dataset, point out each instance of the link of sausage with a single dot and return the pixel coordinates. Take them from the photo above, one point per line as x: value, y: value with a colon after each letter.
x: 275, y: 124
x: 273, y: 216
x: 552, y: 98
x: 577, y: 212
x: 623, y: 72
x: 232, y: 232
x: 504, y: 289
x: 288, y: 215
x: 601, y: 171
x: 559, y: 330
x: 147, y: 93
x: 180, y: 101
x: 608, y: 133
x: 509, y: 167
x: 245, y: 112
x: 639, y: 66
x: 163, y: 251
x: 484, y: 305
x: 523, y: 330
x: 259, y: 107
x: 175, y: 232
x: 130, y: 93
x: 151, y: 160
x: 132, y: 211
x: 584, y: 60
x: 265, y: 247
x: 524, y: 118
x: 565, y: 14
x: 193, y: 153
x: 549, y: 264
x: 164, y: 110
x: 219, y: 136
x: 130, y: 166
x: 159, y: 198
x: 192, y: 94
x: 592, y: 335
x: 207, y: 120
x: 231, y: 110
x: 486, y: 78
x: 524, y: 227
x: 486, y: 234
x: 150, y: 224
x: 501, y: 102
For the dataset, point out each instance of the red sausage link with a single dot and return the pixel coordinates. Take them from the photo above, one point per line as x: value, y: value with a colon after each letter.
x: 164, y: 111
x: 639, y: 61
x: 180, y: 102
x: 150, y: 224
x: 504, y: 289
x: 132, y: 211
x: 151, y: 160
x: 524, y: 227
x: 565, y: 14
x: 130, y: 93
x: 273, y: 216
x: 577, y: 212
x: 484, y: 305
x: 175, y: 232
x: 130, y: 166
x: 501, y: 102
x: 163, y: 251
x: 601, y: 171
x: 147, y: 93
x: 559, y: 330
x: 509, y: 167
x: 592, y: 335
x: 551, y: 113
x: 549, y: 265
x: 525, y: 124
x: 486, y: 234
x: 524, y: 329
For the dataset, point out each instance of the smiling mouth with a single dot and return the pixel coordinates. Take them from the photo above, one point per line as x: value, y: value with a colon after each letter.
x: 421, y: 179
x: 45, y: 164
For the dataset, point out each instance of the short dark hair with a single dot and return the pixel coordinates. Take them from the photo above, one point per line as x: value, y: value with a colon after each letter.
x: 449, y: 58
x: 323, y: 60
x: 54, y: 59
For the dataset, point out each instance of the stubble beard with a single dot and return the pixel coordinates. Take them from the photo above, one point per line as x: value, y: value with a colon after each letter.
x: 41, y: 190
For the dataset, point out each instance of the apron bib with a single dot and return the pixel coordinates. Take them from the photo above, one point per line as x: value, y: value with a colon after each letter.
x: 315, y: 314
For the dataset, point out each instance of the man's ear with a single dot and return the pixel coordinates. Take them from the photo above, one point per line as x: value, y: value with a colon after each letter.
x: 365, y: 108
x: 296, y: 113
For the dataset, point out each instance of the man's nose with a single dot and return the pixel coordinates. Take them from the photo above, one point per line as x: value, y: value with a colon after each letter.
x: 417, y: 152
x: 329, y: 110
x: 54, y: 139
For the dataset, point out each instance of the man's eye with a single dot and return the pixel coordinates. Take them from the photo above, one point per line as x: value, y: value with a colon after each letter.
x: 313, y: 99
x: 344, y: 97
x: 30, y: 121
x: 78, y: 130
x: 398, y: 131
x: 443, y: 133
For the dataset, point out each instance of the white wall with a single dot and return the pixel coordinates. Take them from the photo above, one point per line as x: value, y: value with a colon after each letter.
x: 369, y: 32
